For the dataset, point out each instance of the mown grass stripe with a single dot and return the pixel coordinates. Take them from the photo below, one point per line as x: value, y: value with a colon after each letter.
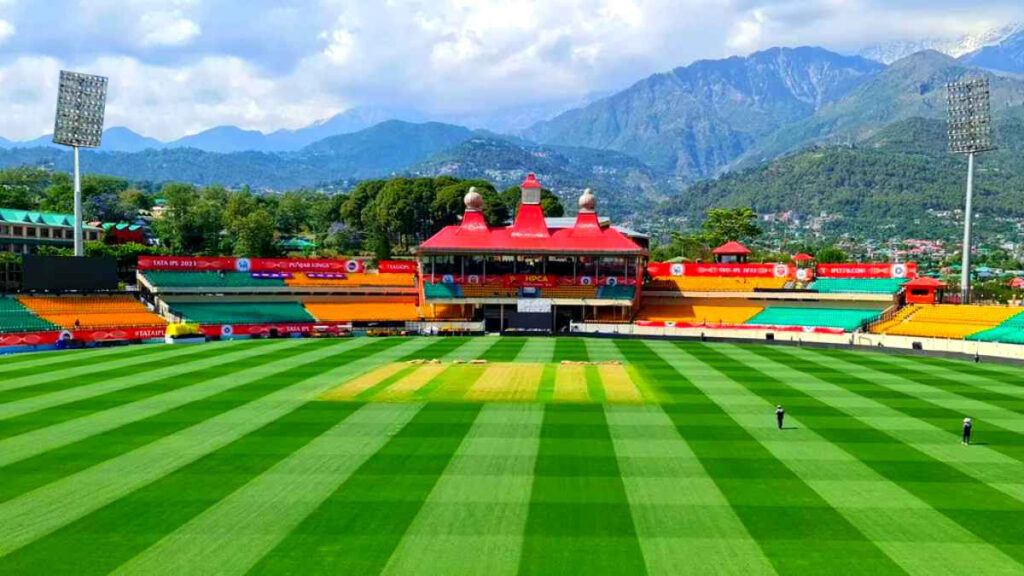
x: 595, y: 387
x: 473, y: 349
x: 132, y: 386
x: 357, y: 528
x: 404, y: 389
x: 450, y: 385
x: 352, y: 388
x: 385, y: 383
x: 992, y: 516
x: 99, y: 542
x: 546, y: 386
x: 1008, y: 373
x: 40, y: 360
x: 975, y: 387
x: 40, y: 512
x: 572, y: 349
x: 537, y: 350
x: 796, y: 529
x: 233, y: 534
x: 15, y: 388
x: 474, y: 519
x: 603, y: 350
x: 882, y: 507
x: 579, y: 520
x: 684, y: 523
x: 47, y: 454
x: 438, y: 349
x: 944, y: 410
x: 504, y: 349
x: 54, y: 361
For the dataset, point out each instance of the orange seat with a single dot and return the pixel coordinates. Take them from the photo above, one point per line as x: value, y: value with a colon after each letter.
x: 119, y: 311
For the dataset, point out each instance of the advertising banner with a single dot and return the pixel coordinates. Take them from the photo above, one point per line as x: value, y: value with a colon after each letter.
x: 397, y: 266
x: 202, y: 263
x: 229, y: 330
x: 667, y: 269
x: 855, y: 270
x: 787, y: 329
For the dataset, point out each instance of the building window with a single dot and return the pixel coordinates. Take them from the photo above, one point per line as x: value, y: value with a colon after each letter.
x: 5, y: 230
x: 18, y: 231
x: 30, y: 232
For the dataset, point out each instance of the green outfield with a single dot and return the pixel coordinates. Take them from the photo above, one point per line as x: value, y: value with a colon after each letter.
x: 547, y: 456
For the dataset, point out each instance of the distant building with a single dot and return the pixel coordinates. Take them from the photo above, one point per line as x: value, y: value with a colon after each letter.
x: 21, y: 231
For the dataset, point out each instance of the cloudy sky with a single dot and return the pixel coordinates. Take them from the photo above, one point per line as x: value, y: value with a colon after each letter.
x: 180, y: 66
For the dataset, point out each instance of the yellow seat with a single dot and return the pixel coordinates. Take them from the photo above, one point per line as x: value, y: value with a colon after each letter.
x: 714, y: 284
x: 945, y: 320
x: 699, y: 311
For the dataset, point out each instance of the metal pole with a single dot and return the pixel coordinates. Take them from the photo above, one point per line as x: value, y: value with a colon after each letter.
x: 79, y: 240
x: 965, y: 267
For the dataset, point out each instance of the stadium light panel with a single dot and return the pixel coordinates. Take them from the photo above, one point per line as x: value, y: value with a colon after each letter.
x: 970, y: 132
x: 81, y: 101
x: 970, y: 117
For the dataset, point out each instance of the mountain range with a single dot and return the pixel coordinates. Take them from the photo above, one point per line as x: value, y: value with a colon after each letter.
x: 661, y: 139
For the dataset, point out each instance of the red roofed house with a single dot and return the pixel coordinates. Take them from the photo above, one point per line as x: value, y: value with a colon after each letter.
x: 530, y: 276
x: 731, y: 253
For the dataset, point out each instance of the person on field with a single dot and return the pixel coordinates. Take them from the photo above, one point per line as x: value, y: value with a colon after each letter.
x: 966, y: 440
x: 780, y: 414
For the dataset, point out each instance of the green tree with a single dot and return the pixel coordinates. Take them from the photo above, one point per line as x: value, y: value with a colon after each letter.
x: 727, y: 224
x: 831, y: 255
x: 254, y: 235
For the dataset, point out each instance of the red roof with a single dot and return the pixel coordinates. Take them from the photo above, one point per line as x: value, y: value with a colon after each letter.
x: 529, y: 234
x: 803, y: 257
x: 925, y: 282
x: 1017, y: 283
x: 731, y: 248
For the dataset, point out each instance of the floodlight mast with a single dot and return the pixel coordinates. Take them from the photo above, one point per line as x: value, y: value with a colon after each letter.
x: 81, y: 100
x: 970, y: 132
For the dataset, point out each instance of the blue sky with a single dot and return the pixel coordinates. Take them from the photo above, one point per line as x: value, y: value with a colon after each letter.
x: 180, y: 66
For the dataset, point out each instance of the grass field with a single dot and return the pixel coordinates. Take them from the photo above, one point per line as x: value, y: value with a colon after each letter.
x: 631, y: 457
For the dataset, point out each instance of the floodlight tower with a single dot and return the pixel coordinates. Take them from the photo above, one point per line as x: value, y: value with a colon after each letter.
x: 81, y: 101
x: 970, y: 133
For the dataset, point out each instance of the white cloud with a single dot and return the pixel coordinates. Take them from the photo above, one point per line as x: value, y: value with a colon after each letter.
x: 179, y: 66
x: 6, y: 30
x: 167, y: 28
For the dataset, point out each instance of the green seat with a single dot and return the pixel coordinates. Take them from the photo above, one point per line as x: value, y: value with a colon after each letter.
x: 14, y: 317
x: 859, y: 285
x: 441, y: 291
x: 617, y: 292
x: 242, y: 312
x: 847, y: 319
x: 1009, y: 332
x: 168, y: 279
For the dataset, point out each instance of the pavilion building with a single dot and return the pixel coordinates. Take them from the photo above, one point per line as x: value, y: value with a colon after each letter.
x: 531, y: 276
